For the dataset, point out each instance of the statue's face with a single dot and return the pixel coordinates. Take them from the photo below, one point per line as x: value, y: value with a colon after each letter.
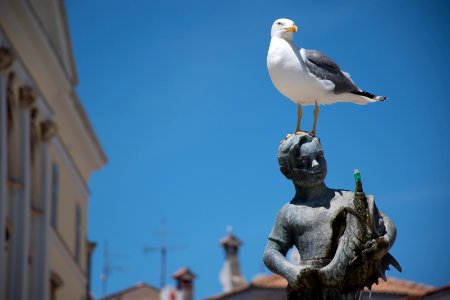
x: 310, y: 167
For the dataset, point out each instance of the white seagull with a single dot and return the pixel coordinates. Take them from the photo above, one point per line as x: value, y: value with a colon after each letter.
x: 309, y: 77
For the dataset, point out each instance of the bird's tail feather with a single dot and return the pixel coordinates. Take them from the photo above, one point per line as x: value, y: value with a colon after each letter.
x: 369, y: 95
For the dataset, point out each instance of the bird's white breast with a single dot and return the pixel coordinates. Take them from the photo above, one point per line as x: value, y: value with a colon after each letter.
x: 288, y: 73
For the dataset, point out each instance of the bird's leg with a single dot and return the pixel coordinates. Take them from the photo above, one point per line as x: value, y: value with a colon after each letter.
x: 316, y: 114
x: 299, y: 117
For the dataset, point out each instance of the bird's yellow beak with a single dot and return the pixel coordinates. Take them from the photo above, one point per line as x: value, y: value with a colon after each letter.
x: 293, y: 28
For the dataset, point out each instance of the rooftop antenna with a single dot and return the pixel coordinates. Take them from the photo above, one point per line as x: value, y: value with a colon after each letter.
x: 108, y: 268
x: 162, y: 249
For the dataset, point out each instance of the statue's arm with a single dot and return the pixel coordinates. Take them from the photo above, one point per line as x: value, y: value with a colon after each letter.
x: 275, y: 260
x: 280, y: 241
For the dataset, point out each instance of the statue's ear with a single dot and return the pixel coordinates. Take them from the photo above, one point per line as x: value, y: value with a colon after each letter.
x: 285, y: 171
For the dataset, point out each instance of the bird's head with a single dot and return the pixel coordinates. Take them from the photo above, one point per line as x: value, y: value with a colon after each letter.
x: 283, y: 28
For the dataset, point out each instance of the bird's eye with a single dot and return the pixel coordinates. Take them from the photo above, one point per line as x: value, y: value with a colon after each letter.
x: 279, y: 23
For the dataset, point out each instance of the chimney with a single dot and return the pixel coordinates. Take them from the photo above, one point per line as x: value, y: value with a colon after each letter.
x: 230, y: 275
x: 185, y: 284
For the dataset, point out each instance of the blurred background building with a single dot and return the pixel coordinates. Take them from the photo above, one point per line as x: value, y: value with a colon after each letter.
x: 48, y: 151
x: 273, y: 287
x: 184, y: 289
x: 264, y: 286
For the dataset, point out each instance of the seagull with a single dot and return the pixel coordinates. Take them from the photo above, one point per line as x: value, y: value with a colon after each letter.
x: 309, y: 77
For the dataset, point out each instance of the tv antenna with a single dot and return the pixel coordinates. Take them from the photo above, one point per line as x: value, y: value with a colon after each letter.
x: 163, y: 248
x: 108, y: 267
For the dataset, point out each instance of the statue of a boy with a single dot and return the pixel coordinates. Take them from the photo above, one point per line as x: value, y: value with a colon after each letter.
x: 337, y: 256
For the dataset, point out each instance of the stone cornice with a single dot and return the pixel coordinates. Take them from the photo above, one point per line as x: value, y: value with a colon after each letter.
x: 48, y: 129
x: 27, y: 96
x: 6, y: 58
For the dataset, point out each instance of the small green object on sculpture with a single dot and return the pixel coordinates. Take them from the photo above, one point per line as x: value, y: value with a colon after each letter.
x: 357, y: 175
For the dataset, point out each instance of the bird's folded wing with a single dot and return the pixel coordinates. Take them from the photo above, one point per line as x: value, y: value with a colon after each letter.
x: 325, y: 68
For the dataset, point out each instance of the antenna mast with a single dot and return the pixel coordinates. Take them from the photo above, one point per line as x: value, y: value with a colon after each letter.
x: 108, y: 268
x: 162, y: 249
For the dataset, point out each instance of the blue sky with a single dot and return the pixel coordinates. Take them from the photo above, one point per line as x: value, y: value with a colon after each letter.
x: 180, y: 98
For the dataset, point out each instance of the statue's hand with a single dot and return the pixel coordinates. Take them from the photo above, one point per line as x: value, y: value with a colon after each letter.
x: 376, y: 248
x: 307, y: 277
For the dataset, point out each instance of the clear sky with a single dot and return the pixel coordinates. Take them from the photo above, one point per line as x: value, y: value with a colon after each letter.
x: 180, y: 98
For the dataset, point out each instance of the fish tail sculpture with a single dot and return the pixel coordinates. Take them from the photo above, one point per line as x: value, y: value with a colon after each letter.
x: 353, y: 267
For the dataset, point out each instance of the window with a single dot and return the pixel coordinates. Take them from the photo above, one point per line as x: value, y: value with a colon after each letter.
x: 77, y: 232
x: 8, y: 232
x: 54, y: 195
x: 55, y: 284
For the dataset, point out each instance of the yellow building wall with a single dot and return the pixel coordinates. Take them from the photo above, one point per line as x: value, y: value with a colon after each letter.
x: 74, y: 287
x: 69, y: 195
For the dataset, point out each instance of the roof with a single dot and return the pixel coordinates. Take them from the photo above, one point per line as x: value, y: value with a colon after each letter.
x: 184, y: 273
x: 140, y: 290
x: 438, y: 293
x: 392, y: 286
x: 237, y: 290
x: 401, y: 287
x: 270, y: 281
x: 230, y: 240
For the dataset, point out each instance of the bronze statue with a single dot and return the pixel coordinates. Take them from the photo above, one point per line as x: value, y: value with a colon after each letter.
x: 342, y: 238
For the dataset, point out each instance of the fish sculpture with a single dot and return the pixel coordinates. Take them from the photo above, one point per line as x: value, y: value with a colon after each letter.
x: 362, y: 255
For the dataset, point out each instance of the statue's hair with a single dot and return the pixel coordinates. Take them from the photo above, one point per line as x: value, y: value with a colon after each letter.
x: 290, y: 147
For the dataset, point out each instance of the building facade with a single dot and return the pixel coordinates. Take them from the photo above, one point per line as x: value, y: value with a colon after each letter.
x: 139, y: 291
x: 184, y: 289
x: 48, y: 151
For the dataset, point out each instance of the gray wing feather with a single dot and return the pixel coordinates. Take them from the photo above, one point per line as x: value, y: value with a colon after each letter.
x: 325, y: 68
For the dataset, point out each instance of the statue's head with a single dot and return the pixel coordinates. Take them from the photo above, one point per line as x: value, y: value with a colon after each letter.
x: 301, y: 160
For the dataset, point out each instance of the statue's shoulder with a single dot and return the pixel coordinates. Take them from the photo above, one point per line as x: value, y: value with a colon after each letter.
x: 285, y: 209
x: 343, y: 197
x: 344, y: 194
x: 286, y: 212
